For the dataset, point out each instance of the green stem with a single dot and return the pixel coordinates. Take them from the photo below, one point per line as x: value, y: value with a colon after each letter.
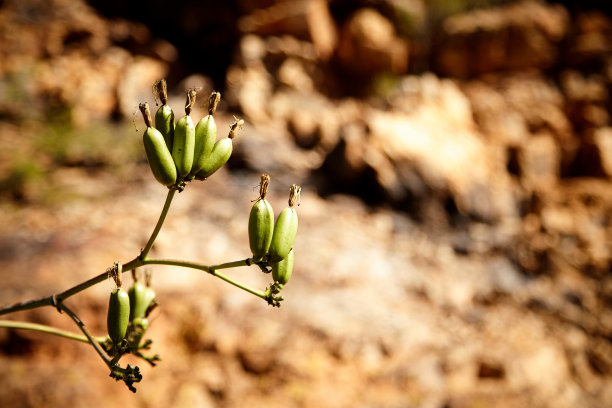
x: 134, y: 263
x: 211, y: 270
x: 85, y: 331
x: 193, y: 265
x: 229, y: 280
x: 56, y: 299
x: 160, y: 222
x: 11, y: 324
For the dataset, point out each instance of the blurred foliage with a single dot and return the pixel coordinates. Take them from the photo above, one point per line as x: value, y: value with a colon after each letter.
x: 39, y: 142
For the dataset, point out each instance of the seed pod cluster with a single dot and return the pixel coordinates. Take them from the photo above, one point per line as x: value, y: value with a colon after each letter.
x: 187, y: 151
x: 272, y: 242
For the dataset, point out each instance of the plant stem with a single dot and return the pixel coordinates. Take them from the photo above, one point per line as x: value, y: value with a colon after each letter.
x: 134, y: 263
x: 211, y: 270
x: 56, y: 299
x: 160, y: 222
x: 11, y: 324
x: 85, y: 331
x: 193, y: 265
x: 229, y: 280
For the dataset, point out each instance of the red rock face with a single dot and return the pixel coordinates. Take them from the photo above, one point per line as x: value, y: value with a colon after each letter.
x: 454, y: 242
x: 521, y: 35
x: 369, y: 44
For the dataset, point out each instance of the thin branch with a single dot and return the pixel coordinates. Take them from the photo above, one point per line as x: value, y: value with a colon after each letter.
x: 160, y: 222
x: 11, y: 324
x: 211, y: 270
x: 55, y: 299
x: 85, y: 331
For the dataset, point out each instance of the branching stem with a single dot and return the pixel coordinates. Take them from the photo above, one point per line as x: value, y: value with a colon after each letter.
x: 211, y: 270
x: 56, y: 300
x: 85, y: 331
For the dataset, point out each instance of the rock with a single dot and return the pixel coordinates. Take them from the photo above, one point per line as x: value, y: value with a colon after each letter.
x: 578, y: 88
x: 293, y: 73
x: 369, y: 44
x: 519, y: 35
x: 491, y: 370
x: 500, y: 122
x: 410, y: 16
x: 135, y: 84
x: 79, y: 64
x: 603, y: 143
x: 540, y: 162
x: 587, y: 99
x: 512, y: 109
x: 589, y: 43
x: 250, y: 88
x: 306, y: 19
x: 444, y: 150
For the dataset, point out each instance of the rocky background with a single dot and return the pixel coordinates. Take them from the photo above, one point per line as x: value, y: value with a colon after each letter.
x: 455, y: 225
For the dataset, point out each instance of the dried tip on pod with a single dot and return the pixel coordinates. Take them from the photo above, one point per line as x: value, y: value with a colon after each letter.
x: 164, y: 117
x: 115, y: 272
x: 263, y: 185
x: 190, y: 102
x: 146, y: 113
x: 235, y: 127
x: 160, y: 88
x: 213, y: 101
x: 294, y: 195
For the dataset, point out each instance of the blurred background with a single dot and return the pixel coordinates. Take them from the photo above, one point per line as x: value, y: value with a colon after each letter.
x: 455, y: 233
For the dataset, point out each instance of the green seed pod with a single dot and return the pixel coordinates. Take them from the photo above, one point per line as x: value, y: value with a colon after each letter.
x: 149, y: 296
x: 261, y: 222
x: 158, y: 155
x: 118, y: 315
x: 220, y: 154
x: 205, y: 135
x: 164, y: 117
x: 139, y: 327
x: 281, y: 271
x: 138, y: 300
x: 285, y: 228
x: 183, y: 144
x: 164, y: 122
x: 141, y: 322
